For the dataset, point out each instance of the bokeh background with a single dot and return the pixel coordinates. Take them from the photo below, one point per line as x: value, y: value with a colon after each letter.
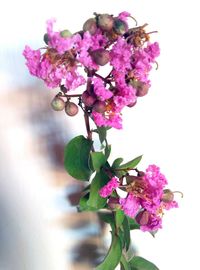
x: 39, y: 226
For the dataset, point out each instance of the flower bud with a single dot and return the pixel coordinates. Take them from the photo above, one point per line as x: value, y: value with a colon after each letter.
x: 132, y: 104
x: 58, y: 104
x: 87, y: 99
x: 46, y: 38
x: 113, y: 203
x: 100, y: 57
x: 65, y: 33
x: 142, y: 218
x: 90, y: 25
x: 168, y: 196
x: 71, y: 108
x: 120, y: 27
x: 142, y: 88
x: 105, y: 22
x: 99, y: 106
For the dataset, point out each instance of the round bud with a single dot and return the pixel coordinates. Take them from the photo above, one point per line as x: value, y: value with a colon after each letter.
x: 46, y: 38
x: 113, y: 203
x: 120, y: 27
x: 132, y: 104
x: 101, y: 56
x: 141, y: 87
x: 168, y: 196
x: 65, y: 33
x: 71, y: 108
x: 87, y: 99
x: 90, y: 25
x: 99, y: 106
x: 105, y: 22
x: 58, y: 104
x: 142, y: 218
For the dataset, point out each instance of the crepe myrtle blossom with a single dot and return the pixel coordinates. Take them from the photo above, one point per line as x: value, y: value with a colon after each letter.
x: 106, y: 190
x: 146, y: 198
x: 74, y: 60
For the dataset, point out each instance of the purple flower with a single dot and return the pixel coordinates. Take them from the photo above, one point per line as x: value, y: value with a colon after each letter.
x: 148, y: 221
x: 130, y: 205
x: 32, y: 59
x: 99, y: 89
x: 121, y: 55
x: 107, y: 190
x: 124, y: 15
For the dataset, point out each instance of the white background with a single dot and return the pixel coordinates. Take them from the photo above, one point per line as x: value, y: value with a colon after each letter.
x: 164, y: 126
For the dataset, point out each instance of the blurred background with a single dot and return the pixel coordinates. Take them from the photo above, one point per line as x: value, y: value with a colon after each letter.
x: 39, y: 225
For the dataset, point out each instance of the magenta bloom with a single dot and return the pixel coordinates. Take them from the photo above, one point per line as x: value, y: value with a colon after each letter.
x: 121, y: 55
x: 154, y: 177
x: 99, y: 89
x: 148, y: 221
x: 107, y: 190
x: 130, y: 205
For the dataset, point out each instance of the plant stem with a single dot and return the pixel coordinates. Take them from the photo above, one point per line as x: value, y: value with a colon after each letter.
x: 87, y: 125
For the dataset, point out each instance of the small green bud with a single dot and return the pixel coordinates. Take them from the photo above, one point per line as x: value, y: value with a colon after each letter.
x: 120, y: 27
x: 65, y: 33
x: 58, y: 104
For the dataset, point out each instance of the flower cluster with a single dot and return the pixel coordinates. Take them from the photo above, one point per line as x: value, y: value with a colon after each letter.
x: 104, y: 40
x: 146, y: 197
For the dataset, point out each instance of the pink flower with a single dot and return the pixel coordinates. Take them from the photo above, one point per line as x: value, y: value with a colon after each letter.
x: 154, y: 177
x: 121, y: 55
x: 107, y: 190
x: 110, y: 120
x: 152, y: 50
x: 56, y: 41
x: 99, y: 89
x: 148, y: 221
x: 130, y: 205
x: 82, y: 47
x: 169, y: 205
x: 73, y: 79
x: 32, y: 60
x: 124, y: 15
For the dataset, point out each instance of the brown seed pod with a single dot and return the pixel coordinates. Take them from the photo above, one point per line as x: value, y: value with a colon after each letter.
x: 99, y: 106
x: 105, y: 22
x: 71, y: 108
x: 100, y: 57
x: 90, y: 25
x: 87, y: 99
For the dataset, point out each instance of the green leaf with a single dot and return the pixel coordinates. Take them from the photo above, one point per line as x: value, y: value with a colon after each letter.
x: 106, y: 217
x: 139, y: 263
x: 102, y: 131
x: 126, y: 229
x: 98, y: 160
x: 119, y: 217
x: 124, y: 263
x: 114, y: 255
x: 131, y: 164
x: 117, y: 162
x: 95, y: 200
x: 76, y: 158
x: 83, y: 203
x: 107, y: 150
x: 132, y: 223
